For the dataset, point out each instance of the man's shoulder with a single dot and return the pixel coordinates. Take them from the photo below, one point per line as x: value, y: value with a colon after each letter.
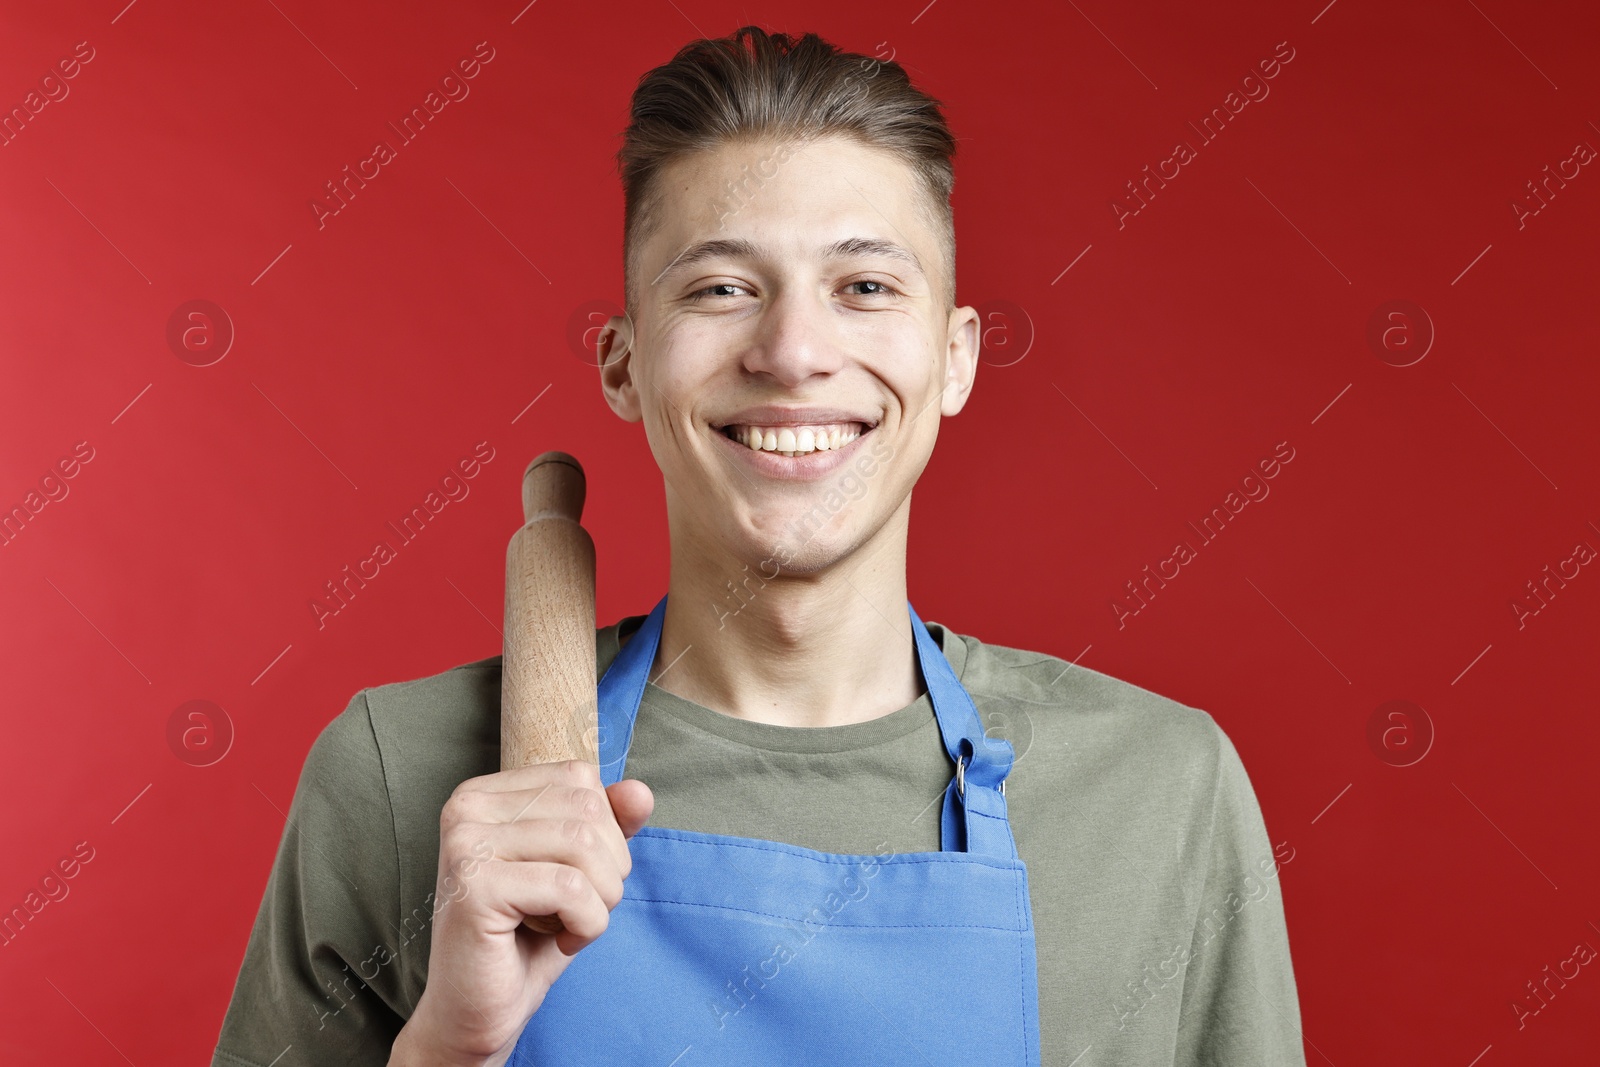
x: 447, y: 724
x: 442, y: 727
x: 427, y: 701
x: 436, y: 731
x: 397, y: 753
x: 1036, y: 695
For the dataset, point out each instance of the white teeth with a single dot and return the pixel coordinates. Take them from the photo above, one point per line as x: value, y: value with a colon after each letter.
x: 796, y: 440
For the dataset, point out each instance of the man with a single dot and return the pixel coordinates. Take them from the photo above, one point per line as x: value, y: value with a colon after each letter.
x: 800, y: 846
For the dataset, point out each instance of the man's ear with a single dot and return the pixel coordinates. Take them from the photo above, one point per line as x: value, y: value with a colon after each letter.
x: 961, y: 359
x: 614, y: 349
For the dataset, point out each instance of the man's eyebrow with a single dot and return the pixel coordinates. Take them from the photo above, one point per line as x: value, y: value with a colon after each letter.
x: 717, y: 248
x: 740, y: 248
x: 852, y: 247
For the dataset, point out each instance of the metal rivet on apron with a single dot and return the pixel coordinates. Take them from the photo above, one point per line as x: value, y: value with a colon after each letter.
x: 961, y: 779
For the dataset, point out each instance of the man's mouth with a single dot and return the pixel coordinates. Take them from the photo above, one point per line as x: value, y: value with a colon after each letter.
x: 795, y: 440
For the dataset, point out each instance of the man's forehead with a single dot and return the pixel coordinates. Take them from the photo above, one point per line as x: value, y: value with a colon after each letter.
x: 749, y: 177
x: 828, y: 197
x: 805, y: 199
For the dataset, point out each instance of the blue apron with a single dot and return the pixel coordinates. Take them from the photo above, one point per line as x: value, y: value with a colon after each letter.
x: 735, y: 950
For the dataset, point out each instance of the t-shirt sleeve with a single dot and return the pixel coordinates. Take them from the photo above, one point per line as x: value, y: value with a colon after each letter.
x: 1240, y: 1005
x: 318, y: 985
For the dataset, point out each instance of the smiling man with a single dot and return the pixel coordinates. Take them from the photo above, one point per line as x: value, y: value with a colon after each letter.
x: 801, y: 845
x: 797, y: 364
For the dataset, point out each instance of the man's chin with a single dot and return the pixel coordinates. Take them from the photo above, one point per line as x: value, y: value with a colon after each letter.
x: 788, y: 548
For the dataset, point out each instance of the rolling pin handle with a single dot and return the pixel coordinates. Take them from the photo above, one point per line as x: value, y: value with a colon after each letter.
x: 553, y: 485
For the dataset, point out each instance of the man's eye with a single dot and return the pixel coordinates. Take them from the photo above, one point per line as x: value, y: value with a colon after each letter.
x: 882, y: 290
x: 707, y: 291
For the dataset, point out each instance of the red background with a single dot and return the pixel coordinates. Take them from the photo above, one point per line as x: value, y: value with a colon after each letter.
x: 1230, y: 314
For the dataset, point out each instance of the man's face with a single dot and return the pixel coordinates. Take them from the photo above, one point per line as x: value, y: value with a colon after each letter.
x: 790, y: 299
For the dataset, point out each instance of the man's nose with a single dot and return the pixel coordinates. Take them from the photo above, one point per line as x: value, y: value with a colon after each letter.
x: 797, y: 337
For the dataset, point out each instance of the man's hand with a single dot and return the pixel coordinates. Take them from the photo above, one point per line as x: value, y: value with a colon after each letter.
x: 535, y: 843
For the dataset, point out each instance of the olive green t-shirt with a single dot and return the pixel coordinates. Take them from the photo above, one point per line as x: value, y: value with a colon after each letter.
x: 1157, y: 907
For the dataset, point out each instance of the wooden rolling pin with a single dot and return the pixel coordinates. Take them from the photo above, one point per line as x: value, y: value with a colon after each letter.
x: 547, y: 695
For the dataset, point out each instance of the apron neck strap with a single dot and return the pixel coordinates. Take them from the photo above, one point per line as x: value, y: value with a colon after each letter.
x: 622, y: 689
x: 974, y: 814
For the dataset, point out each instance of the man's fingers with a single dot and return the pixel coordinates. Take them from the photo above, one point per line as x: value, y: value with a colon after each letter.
x: 553, y: 816
x: 632, y: 802
x: 549, y: 800
x: 595, y: 849
x: 557, y: 889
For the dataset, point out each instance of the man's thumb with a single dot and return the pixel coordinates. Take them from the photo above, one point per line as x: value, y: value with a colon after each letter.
x: 631, y: 802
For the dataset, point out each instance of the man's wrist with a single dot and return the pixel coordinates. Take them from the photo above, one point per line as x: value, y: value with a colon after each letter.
x: 413, y: 1047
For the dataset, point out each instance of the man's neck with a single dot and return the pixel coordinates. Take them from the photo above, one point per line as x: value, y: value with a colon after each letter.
x: 824, y: 649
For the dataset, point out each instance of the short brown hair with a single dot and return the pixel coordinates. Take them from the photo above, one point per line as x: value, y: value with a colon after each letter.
x: 756, y: 86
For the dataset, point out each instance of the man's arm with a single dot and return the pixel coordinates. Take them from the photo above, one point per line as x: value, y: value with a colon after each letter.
x: 1240, y: 1005
x: 321, y: 980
